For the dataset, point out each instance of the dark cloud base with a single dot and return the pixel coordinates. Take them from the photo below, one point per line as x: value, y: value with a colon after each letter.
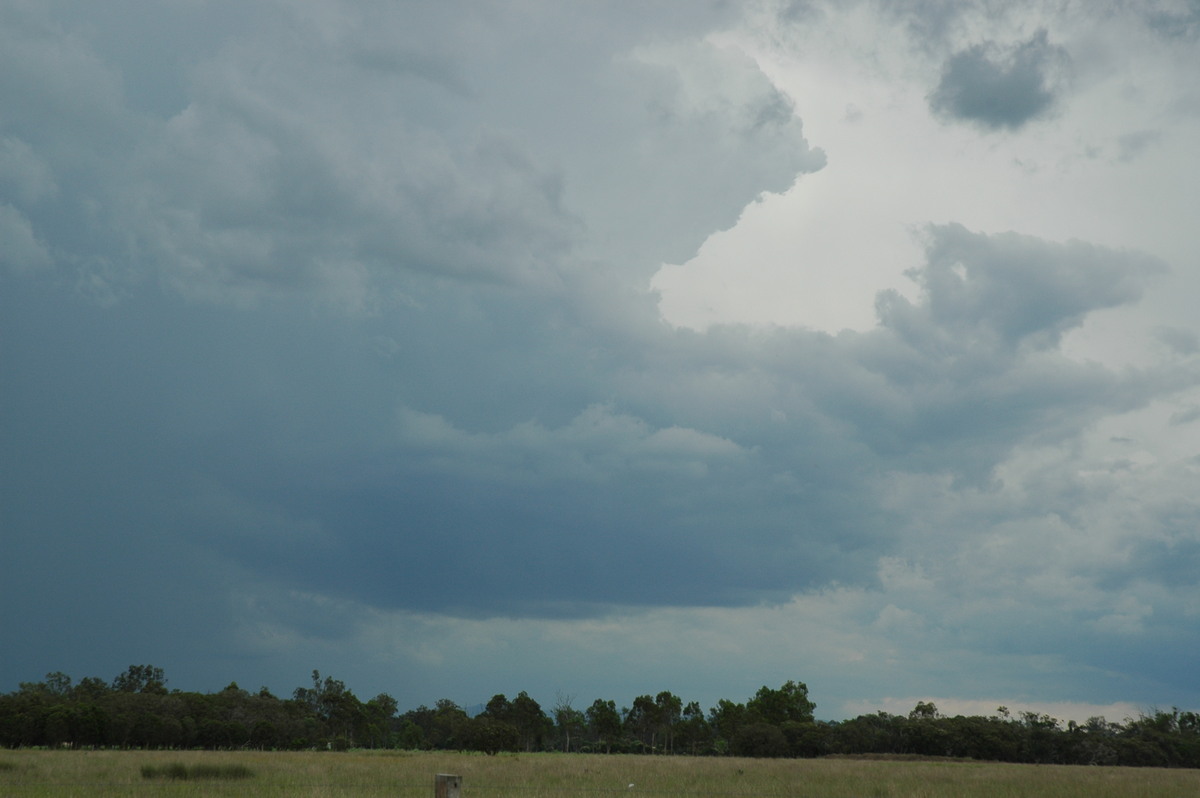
x: 278, y: 439
x: 1000, y: 90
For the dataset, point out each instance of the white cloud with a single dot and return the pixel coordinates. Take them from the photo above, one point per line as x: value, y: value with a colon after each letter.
x: 816, y: 256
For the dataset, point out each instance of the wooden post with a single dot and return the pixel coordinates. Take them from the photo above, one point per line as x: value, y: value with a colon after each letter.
x: 447, y: 786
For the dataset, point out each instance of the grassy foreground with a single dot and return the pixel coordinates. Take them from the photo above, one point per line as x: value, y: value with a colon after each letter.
x: 106, y: 774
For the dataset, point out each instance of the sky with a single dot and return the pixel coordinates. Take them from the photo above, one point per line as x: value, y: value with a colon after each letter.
x: 598, y: 349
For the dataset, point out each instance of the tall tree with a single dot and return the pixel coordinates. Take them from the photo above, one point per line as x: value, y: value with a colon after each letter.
x: 499, y: 708
x: 568, y: 719
x: 727, y: 717
x: 450, y: 724
x: 924, y: 710
x: 605, y: 722
x: 58, y: 683
x: 667, y: 710
x: 693, y: 730
x: 529, y: 719
x: 788, y: 703
x: 642, y: 720
x: 380, y: 711
x: 141, y: 679
x: 342, y: 714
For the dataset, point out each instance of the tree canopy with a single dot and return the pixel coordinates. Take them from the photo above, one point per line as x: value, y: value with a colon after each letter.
x: 136, y: 710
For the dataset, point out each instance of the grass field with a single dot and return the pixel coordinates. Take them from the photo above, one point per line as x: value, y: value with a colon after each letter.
x: 107, y: 774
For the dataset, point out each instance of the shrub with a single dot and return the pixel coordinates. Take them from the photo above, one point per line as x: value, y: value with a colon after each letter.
x: 181, y: 772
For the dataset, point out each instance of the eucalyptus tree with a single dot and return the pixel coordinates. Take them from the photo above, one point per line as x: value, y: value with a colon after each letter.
x: 605, y: 722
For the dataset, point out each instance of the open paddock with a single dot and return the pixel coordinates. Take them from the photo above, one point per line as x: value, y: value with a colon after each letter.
x: 393, y: 774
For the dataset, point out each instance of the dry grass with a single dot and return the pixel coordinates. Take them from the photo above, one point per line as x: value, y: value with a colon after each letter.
x: 107, y: 774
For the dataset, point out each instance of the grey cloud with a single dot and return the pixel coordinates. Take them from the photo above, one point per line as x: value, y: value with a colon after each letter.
x: 953, y: 381
x: 263, y: 185
x: 24, y: 174
x: 930, y: 21
x: 501, y: 409
x: 52, y: 75
x: 150, y: 49
x: 22, y: 250
x: 437, y: 69
x: 1010, y: 290
x: 1132, y: 145
x: 1181, y: 341
x: 1175, y: 21
x: 1174, y: 562
x: 452, y: 216
x: 1001, y: 88
x: 1185, y: 416
x: 710, y: 126
x: 798, y: 426
x: 549, y: 477
x: 1052, y: 554
x: 800, y: 11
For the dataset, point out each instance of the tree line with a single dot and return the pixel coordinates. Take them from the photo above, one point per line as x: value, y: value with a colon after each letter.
x: 136, y: 710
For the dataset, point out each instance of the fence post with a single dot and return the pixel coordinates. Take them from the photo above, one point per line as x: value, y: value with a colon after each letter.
x: 447, y: 786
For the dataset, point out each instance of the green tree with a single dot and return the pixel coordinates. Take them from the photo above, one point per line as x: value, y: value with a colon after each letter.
x: 499, y: 708
x: 1041, y: 737
x: 789, y: 702
x: 59, y: 726
x: 264, y: 735
x: 642, y: 721
x: 531, y: 723
x: 605, y: 722
x: 449, y: 725
x: 90, y: 688
x: 805, y: 739
x: 58, y: 684
x: 141, y: 679
x: 693, y: 731
x: 759, y: 740
x: 924, y: 710
x: 379, y: 712
x: 93, y: 725
x: 485, y: 733
x: 668, y: 708
x: 726, y: 718
x: 411, y: 737
x: 338, y: 709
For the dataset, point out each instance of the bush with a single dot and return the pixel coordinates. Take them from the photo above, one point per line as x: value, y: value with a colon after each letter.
x: 175, y: 770
x: 181, y: 772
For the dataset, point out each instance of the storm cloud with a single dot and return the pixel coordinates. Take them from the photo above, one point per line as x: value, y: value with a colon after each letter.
x: 1001, y: 88
x: 328, y: 340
